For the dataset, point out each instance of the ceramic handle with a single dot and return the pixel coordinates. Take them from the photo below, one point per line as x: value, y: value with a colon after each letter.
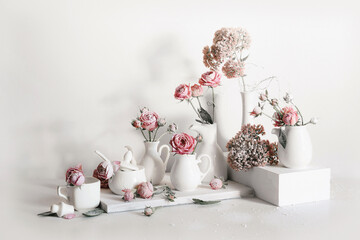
x: 167, y: 153
x: 203, y: 174
x: 59, y: 188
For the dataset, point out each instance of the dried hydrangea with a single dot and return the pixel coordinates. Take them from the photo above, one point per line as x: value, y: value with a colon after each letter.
x: 247, y: 149
x: 228, y: 44
x: 233, y: 69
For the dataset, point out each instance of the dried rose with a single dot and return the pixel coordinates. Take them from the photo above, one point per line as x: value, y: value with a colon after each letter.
x: 161, y: 122
x: 256, y: 111
x: 172, y: 128
x: 128, y: 195
x: 148, y: 211
x: 216, y: 183
x: 210, y: 79
x: 196, y: 90
x: 145, y: 190
x: 136, y: 123
x: 75, y: 176
x: 290, y: 116
x: 183, y: 143
x: 182, y: 92
x: 149, y: 120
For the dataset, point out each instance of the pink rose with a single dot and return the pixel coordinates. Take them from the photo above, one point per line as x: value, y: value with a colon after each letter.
x: 75, y: 176
x: 128, y: 195
x: 182, y: 92
x: 183, y: 143
x: 216, y: 184
x: 145, y: 190
x: 290, y: 116
x: 136, y: 123
x: 210, y: 79
x: 196, y: 90
x: 149, y: 120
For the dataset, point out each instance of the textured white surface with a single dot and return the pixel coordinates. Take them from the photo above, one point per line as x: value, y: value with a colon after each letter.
x: 231, y: 219
x: 113, y: 203
x: 283, y: 186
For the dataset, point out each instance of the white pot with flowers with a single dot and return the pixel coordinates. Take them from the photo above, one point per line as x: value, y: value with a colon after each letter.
x: 185, y: 174
x: 295, y: 148
x: 205, y: 126
x: 148, y: 124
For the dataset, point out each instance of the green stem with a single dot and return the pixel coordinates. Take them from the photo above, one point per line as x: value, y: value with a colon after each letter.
x: 143, y: 134
x: 199, y: 102
x: 149, y: 136
x: 155, y: 133
x: 302, y: 119
x: 213, y: 103
x: 194, y: 108
x: 195, y: 147
x: 276, y: 107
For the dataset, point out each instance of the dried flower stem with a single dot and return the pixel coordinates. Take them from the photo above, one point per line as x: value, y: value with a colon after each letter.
x: 143, y: 134
x: 155, y: 133
x: 199, y: 101
x: 149, y: 136
x: 302, y: 119
x: 213, y: 103
x: 189, y: 100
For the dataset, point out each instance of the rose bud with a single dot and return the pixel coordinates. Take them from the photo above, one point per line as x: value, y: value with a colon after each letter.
x: 75, y: 176
x: 274, y: 102
x: 196, y: 90
x: 199, y: 138
x: 256, y: 112
x: 288, y: 98
x: 161, y: 122
x: 136, y: 123
x: 263, y: 97
x: 172, y: 128
x: 145, y: 190
x: 216, y: 184
x: 148, y: 211
x: 128, y: 195
x: 314, y: 120
x: 144, y: 109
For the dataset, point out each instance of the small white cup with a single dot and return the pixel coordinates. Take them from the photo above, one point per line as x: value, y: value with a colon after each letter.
x: 84, y: 197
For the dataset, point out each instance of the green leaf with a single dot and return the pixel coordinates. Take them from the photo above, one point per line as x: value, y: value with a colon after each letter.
x: 205, y: 115
x: 94, y: 213
x: 48, y: 214
x: 244, y: 58
x: 202, y: 202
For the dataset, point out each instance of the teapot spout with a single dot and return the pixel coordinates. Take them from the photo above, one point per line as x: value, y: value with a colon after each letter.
x: 281, y: 134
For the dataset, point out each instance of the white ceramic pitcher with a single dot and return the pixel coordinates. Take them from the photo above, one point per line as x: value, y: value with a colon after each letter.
x: 154, y: 166
x: 210, y: 147
x: 295, y: 149
x: 185, y: 174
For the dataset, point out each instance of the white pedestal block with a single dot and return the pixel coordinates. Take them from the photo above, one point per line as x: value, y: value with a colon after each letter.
x: 283, y: 186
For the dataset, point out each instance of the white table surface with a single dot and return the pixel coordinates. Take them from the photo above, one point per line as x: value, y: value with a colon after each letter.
x: 247, y: 219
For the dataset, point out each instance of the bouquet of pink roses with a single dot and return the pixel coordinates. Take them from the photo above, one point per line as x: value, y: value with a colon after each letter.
x: 186, y: 92
x: 151, y: 122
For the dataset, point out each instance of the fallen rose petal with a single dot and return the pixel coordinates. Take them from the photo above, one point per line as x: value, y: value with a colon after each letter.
x: 69, y: 216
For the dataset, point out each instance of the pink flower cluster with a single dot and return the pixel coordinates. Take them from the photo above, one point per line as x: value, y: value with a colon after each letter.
x: 183, y: 143
x: 75, y: 176
x: 233, y: 69
x: 227, y: 43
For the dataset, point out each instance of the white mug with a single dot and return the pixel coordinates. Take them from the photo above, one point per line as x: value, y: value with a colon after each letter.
x: 84, y: 197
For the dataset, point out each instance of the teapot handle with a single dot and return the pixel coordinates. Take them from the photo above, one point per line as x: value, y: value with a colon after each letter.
x: 167, y: 153
x: 198, y: 160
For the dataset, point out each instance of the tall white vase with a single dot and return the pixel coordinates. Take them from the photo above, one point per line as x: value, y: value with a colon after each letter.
x: 295, y: 148
x: 247, y: 99
x: 210, y: 147
x: 154, y: 166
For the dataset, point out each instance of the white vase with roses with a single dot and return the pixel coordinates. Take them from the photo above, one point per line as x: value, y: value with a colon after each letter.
x: 295, y: 148
x: 185, y: 173
x: 149, y: 124
x: 206, y: 127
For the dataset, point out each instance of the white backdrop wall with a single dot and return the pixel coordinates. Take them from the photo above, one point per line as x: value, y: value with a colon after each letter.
x: 73, y: 74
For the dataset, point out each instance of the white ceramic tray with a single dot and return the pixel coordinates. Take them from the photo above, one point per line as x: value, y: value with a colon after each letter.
x: 114, y: 203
